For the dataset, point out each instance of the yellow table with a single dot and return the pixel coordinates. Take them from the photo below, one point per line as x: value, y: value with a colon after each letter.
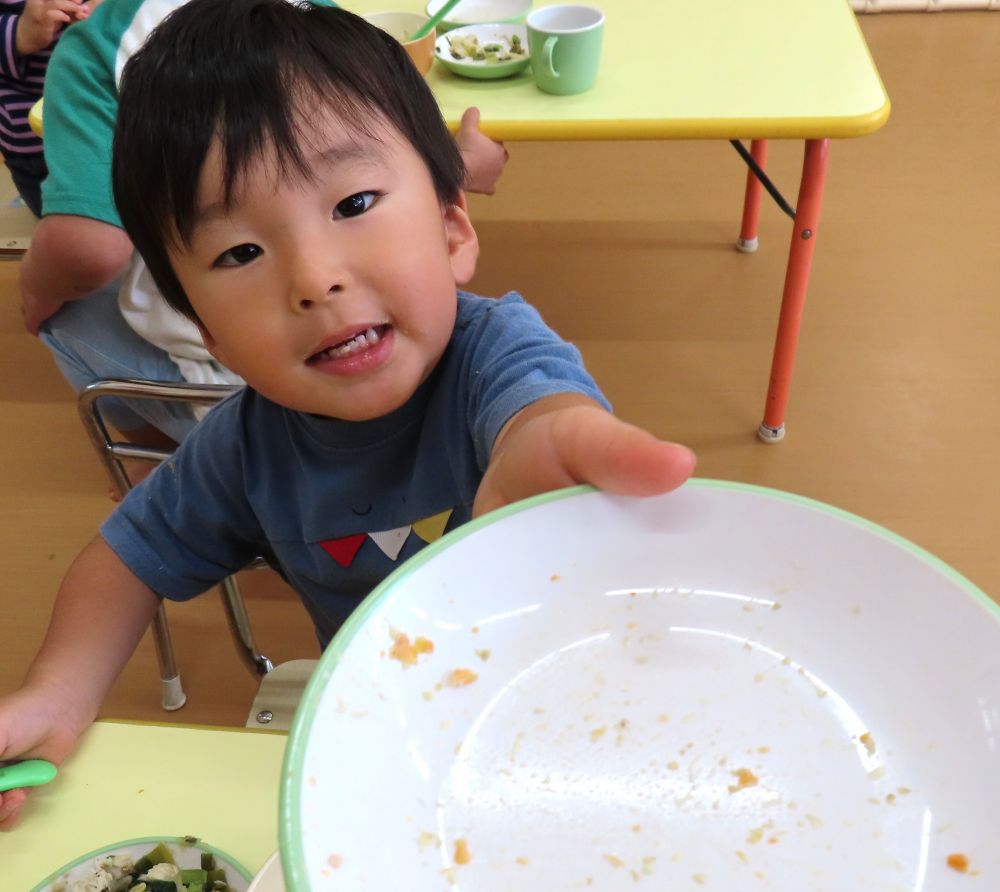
x: 725, y: 69
x: 133, y: 780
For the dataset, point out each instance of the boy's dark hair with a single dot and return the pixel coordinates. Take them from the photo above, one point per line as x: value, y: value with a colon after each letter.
x: 244, y: 71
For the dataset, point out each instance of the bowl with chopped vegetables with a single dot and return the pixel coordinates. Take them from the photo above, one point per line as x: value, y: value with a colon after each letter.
x: 151, y: 864
x: 484, y: 52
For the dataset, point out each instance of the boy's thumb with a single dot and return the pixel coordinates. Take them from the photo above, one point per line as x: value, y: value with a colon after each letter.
x: 470, y: 119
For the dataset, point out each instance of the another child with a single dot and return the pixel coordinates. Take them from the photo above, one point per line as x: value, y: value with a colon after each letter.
x: 28, y: 31
x: 286, y: 174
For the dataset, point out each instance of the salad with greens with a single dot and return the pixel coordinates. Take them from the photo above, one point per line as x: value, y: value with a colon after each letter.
x: 469, y: 48
x: 157, y: 871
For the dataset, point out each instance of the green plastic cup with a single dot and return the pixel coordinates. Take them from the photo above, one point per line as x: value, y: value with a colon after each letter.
x: 565, y: 46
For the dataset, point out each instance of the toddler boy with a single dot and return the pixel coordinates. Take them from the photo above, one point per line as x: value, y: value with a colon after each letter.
x: 286, y: 175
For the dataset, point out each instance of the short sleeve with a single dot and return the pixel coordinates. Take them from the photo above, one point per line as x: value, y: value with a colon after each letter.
x: 189, y: 525
x: 512, y: 359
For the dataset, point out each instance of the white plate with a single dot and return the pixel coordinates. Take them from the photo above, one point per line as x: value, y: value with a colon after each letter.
x: 186, y: 852
x: 479, y: 12
x: 726, y: 687
x: 487, y: 34
x: 269, y: 877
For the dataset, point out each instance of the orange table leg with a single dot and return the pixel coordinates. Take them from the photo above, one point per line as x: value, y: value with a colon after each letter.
x: 747, y: 242
x: 793, y: 299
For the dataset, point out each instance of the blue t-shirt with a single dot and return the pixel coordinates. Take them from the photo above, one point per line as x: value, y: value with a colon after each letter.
x: 336, y: 505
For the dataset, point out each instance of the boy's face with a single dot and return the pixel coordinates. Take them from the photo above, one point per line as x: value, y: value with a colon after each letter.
x: 336, y: 296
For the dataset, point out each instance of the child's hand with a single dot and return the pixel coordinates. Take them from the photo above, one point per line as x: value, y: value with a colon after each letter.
x: 41, y: 20
x: 484, y: 158
x: 568, y: 439
x: 34, y: 724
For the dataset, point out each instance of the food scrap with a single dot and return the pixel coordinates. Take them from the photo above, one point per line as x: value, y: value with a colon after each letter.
x: 459, y: 678
x: 462, y: 855
x: 406, y: 652
x: 744, y: 778
x: 959, y: 862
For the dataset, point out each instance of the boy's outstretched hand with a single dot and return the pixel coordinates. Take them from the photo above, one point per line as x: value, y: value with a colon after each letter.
x: 33, y: 725
x: 568, y: 439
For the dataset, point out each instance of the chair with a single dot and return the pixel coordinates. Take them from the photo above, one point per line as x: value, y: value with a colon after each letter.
x: 112, y: 453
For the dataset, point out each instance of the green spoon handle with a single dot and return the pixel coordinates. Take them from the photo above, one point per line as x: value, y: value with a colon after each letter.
x: 425, y: 28
x: 29, y: 773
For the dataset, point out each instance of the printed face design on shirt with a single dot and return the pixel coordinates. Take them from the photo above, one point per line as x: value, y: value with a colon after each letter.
x: 332, y: 294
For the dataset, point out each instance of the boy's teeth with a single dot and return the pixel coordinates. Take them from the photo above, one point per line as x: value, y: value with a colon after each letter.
x: 359, y: 342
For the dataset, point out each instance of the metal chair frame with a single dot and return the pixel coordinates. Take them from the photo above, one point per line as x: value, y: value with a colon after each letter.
x: 112, y: 454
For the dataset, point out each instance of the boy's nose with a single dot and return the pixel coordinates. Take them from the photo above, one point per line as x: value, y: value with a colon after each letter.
x: 302, y: 301
x: 314, y: 283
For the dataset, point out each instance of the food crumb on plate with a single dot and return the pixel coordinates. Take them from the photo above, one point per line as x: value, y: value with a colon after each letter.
x: 459, y: 678
x: 462, y: 854
x: 958, y: 861
x: 405, y: 652
x: 744, y: 778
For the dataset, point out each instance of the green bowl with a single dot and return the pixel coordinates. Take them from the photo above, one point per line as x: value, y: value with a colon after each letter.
x: 186, y: 850
x: 485, y: 70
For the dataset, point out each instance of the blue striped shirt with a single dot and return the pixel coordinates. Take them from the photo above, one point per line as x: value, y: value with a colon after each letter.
x: 21, y: 82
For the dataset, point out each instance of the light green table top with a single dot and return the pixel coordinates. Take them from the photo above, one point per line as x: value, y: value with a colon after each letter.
x: 133, y: 780
x: 692, y: 69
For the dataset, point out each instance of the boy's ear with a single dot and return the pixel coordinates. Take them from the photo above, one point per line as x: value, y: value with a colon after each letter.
x: 463, y: 243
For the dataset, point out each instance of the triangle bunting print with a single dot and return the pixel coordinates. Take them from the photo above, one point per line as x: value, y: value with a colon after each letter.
x: 431, y: 528
x: 344, y: 549
x: 391, y: 541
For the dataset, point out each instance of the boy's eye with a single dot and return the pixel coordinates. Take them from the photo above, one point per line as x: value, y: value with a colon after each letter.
x: 355, y: 205
x: 239, y: 256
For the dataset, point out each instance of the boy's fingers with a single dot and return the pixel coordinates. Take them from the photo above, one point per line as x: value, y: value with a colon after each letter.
x: 627, y: 460
x: 11, y: 803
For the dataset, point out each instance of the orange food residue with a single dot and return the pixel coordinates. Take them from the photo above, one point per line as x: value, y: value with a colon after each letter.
x: 744, y: 778
x: 406, y: 652
x: 462, y: 855
x: 335, y: 861
x: 459, y: 678
x: 958, y: 862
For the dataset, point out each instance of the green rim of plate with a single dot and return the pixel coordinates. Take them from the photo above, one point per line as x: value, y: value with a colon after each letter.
x: 290, y: 831
x: 152, y: 841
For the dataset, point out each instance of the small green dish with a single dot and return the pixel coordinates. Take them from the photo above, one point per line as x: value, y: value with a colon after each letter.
x: 186, y: 851
x: 494, y: 33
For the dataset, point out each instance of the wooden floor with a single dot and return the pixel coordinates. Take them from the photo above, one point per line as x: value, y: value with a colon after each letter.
x: 628, y: 250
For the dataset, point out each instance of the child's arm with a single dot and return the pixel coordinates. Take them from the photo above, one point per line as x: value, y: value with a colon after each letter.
x: 566, y: 439
x: 98, y: 619
x: 484, y: 157
x: 69, y: 258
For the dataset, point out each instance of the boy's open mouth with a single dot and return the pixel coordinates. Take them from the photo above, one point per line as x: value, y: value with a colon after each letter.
x: 355, y: 344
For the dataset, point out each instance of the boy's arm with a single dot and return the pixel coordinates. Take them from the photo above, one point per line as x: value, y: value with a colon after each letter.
x: 69, y: 258
x: 566, y: 439
x: 99, y: 617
